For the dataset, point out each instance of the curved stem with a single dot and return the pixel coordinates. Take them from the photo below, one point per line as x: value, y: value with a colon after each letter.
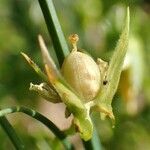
x: 11, y: 133
x: 34, y: 114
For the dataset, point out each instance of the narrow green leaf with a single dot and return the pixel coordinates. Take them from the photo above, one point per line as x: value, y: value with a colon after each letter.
x: 54, y: 29
x: 114, y: 71
x: 11, y: 133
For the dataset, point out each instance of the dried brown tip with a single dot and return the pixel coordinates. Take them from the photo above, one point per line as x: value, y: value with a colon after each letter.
x: 51, y: 75
x: 42, y: 43
x: 46, y: 56
x: 44, y: 50
x: 74, y: 38
x: 27, y: 58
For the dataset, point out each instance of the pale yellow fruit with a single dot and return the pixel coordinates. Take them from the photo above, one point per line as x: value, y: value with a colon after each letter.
x: 83, y: 74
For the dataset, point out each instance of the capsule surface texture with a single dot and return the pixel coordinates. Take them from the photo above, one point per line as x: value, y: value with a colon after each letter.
x: 83, y: 74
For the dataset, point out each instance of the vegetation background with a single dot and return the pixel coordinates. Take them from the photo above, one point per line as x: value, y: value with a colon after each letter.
x: 98, y: 24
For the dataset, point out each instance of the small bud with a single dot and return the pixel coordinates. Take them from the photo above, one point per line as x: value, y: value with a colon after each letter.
x: 74, y: 38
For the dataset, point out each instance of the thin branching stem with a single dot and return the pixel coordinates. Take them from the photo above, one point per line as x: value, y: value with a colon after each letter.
x: 34, y: 114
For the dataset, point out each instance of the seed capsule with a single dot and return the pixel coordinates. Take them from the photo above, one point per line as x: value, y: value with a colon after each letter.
x: 81, y: 72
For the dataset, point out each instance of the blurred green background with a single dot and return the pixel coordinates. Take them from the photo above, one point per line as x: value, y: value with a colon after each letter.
x: 98, y: 24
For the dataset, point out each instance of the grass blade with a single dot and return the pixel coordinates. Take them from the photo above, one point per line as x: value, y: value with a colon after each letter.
x: 54, y: 29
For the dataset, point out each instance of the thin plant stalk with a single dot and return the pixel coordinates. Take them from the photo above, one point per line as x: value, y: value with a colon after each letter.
x: 11, y: 133
x: 54, y: 28
x: 34, y: 114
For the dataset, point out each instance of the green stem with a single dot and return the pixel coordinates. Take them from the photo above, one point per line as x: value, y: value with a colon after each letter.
x: 94, y: 143
x: 11, y: 133
x: 54, y: 29
x: 58, y: 133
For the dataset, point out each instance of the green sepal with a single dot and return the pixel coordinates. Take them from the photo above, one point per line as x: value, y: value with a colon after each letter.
x: 104, y: 98
x: 81, y: 119
x: 35, y: 67
x: 46, y: 91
